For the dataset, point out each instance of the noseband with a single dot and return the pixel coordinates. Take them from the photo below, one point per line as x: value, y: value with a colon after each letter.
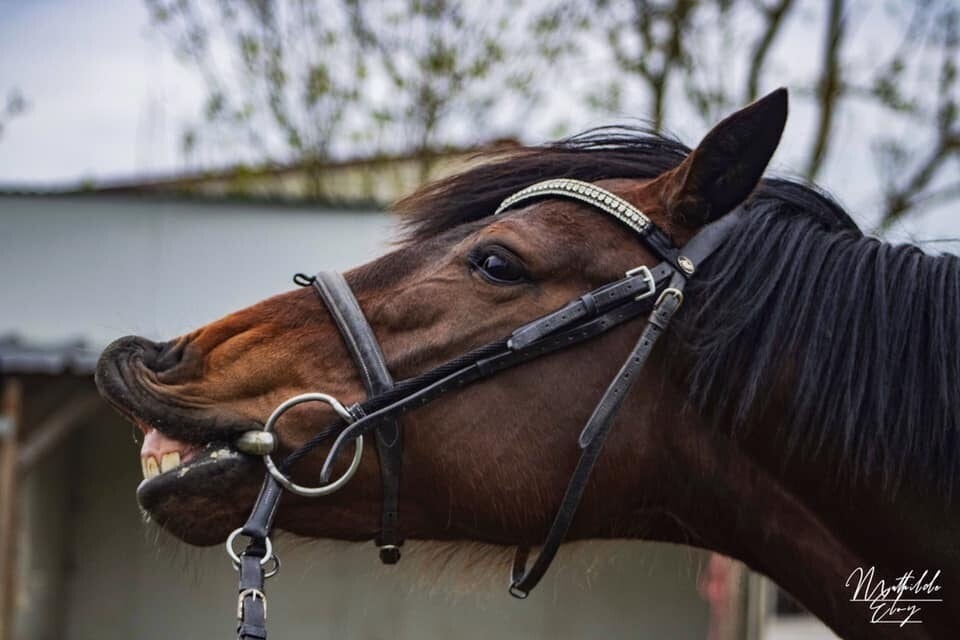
x: 656, y: 291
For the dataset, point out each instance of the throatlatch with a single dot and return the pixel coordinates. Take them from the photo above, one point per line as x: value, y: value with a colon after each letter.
x: 656, y: 291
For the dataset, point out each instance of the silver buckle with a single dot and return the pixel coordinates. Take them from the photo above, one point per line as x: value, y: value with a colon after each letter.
x: 253, y: 593
x: 671, y: 291
x: 644, y: 272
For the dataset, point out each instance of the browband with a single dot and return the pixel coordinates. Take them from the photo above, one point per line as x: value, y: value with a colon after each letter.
x: 609, y: 203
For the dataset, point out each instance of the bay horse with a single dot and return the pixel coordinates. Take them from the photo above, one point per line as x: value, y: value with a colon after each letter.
x: 801, y: 414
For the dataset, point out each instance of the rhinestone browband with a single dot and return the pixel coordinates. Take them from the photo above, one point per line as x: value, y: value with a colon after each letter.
x: 584, y: 191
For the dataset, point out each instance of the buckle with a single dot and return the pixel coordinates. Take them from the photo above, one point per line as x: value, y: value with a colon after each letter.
x: 255, y: 594
x: 671, y: 291
x: 644, y: 272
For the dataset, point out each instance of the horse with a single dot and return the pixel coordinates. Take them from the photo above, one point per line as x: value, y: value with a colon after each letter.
x: 800, y: 414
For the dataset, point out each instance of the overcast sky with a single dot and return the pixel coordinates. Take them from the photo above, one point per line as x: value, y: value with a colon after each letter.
x: 108, y: 100
x: 105, y: 97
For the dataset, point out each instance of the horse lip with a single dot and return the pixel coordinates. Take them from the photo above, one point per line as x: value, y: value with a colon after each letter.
x: 210, y: 475
x: 118, y: 377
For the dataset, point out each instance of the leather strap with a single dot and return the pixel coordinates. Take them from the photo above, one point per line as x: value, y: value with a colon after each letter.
x: 365, y: 351
x: 473, y: 369
x: 260, y: 521
x: 251, y: 599
x: 642, y: 282
x: 591, y: 441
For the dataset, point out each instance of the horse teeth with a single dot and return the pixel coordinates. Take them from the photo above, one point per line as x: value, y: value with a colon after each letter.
x: 150, y: 467
x: 169, y: 461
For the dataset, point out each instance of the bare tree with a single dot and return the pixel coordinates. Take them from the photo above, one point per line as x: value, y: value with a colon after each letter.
x: 914, y: 169
x: 300, y: 77
x: 446, y: 63
x: 773, y: 20
x: 279, y: 74
x: 683, y: 51
x: 829, y: 86
x: 660, y: 46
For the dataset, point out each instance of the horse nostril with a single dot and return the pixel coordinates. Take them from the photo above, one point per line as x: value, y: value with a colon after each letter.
x: 168, y: 355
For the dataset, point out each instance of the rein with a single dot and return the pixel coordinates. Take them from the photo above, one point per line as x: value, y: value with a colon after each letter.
x: 656, y: 291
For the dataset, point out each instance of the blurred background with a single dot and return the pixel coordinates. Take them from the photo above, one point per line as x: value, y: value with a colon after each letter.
x: 165, y: 162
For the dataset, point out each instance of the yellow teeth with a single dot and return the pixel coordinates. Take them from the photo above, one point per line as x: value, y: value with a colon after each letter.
x: 169, y: 461
x: 150, y: 467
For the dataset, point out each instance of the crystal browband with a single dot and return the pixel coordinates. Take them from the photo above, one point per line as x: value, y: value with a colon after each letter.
x: 584, y: 191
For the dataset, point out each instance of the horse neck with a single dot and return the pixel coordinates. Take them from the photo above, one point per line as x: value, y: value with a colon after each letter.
x: 857, y: 485
x: 720, y: 497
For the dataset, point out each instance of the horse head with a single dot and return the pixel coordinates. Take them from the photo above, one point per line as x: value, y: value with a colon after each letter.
x: 689, y: 460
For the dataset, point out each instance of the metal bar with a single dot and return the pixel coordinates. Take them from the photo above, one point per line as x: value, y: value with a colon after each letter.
x: 56, y: 428
x: 11, y: 406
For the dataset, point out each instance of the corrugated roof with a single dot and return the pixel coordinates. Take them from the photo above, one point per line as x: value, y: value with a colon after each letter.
x: 20, y: 356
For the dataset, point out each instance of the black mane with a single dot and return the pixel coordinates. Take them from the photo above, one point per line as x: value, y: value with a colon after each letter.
x: 864, y: 332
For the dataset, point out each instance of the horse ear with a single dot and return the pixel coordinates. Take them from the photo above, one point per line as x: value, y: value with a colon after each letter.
x: 727, y: 165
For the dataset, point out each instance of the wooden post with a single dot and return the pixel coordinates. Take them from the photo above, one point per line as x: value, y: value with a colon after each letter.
x: 10, y: 410
x: 46, y: 436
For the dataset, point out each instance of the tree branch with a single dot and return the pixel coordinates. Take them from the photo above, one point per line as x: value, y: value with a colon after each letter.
x: 829, y: 87
x: 901, y: 200
x: 911, y: 193
x: 774, y: 16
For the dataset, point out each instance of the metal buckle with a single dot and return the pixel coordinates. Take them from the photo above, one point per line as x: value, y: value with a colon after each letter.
x: 672, y: 291
x: 289, y: 484
x: 644, y: 272
x: 255, y: 594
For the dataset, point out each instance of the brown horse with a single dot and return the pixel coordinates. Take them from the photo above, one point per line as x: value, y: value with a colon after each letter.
x: 801, y: 414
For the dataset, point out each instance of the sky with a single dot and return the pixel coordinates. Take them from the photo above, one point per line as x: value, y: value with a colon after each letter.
x: 105, y: 97
x: 108, y: 100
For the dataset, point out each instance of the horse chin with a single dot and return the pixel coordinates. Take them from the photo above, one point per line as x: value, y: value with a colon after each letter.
x: 202, y: 501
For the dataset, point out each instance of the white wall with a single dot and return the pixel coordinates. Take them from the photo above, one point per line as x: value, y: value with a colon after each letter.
x: 101, y: 268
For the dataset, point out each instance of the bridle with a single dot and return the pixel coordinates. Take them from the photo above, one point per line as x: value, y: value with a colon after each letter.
x: 588, y: 316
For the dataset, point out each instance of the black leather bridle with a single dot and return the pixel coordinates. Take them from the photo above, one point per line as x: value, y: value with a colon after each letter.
x: 656, y: 291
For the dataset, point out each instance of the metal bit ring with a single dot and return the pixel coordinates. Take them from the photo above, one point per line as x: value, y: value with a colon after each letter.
x: 285, y: 481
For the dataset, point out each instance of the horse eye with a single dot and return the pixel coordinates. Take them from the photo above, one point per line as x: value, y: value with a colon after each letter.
x: 498, y: 268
